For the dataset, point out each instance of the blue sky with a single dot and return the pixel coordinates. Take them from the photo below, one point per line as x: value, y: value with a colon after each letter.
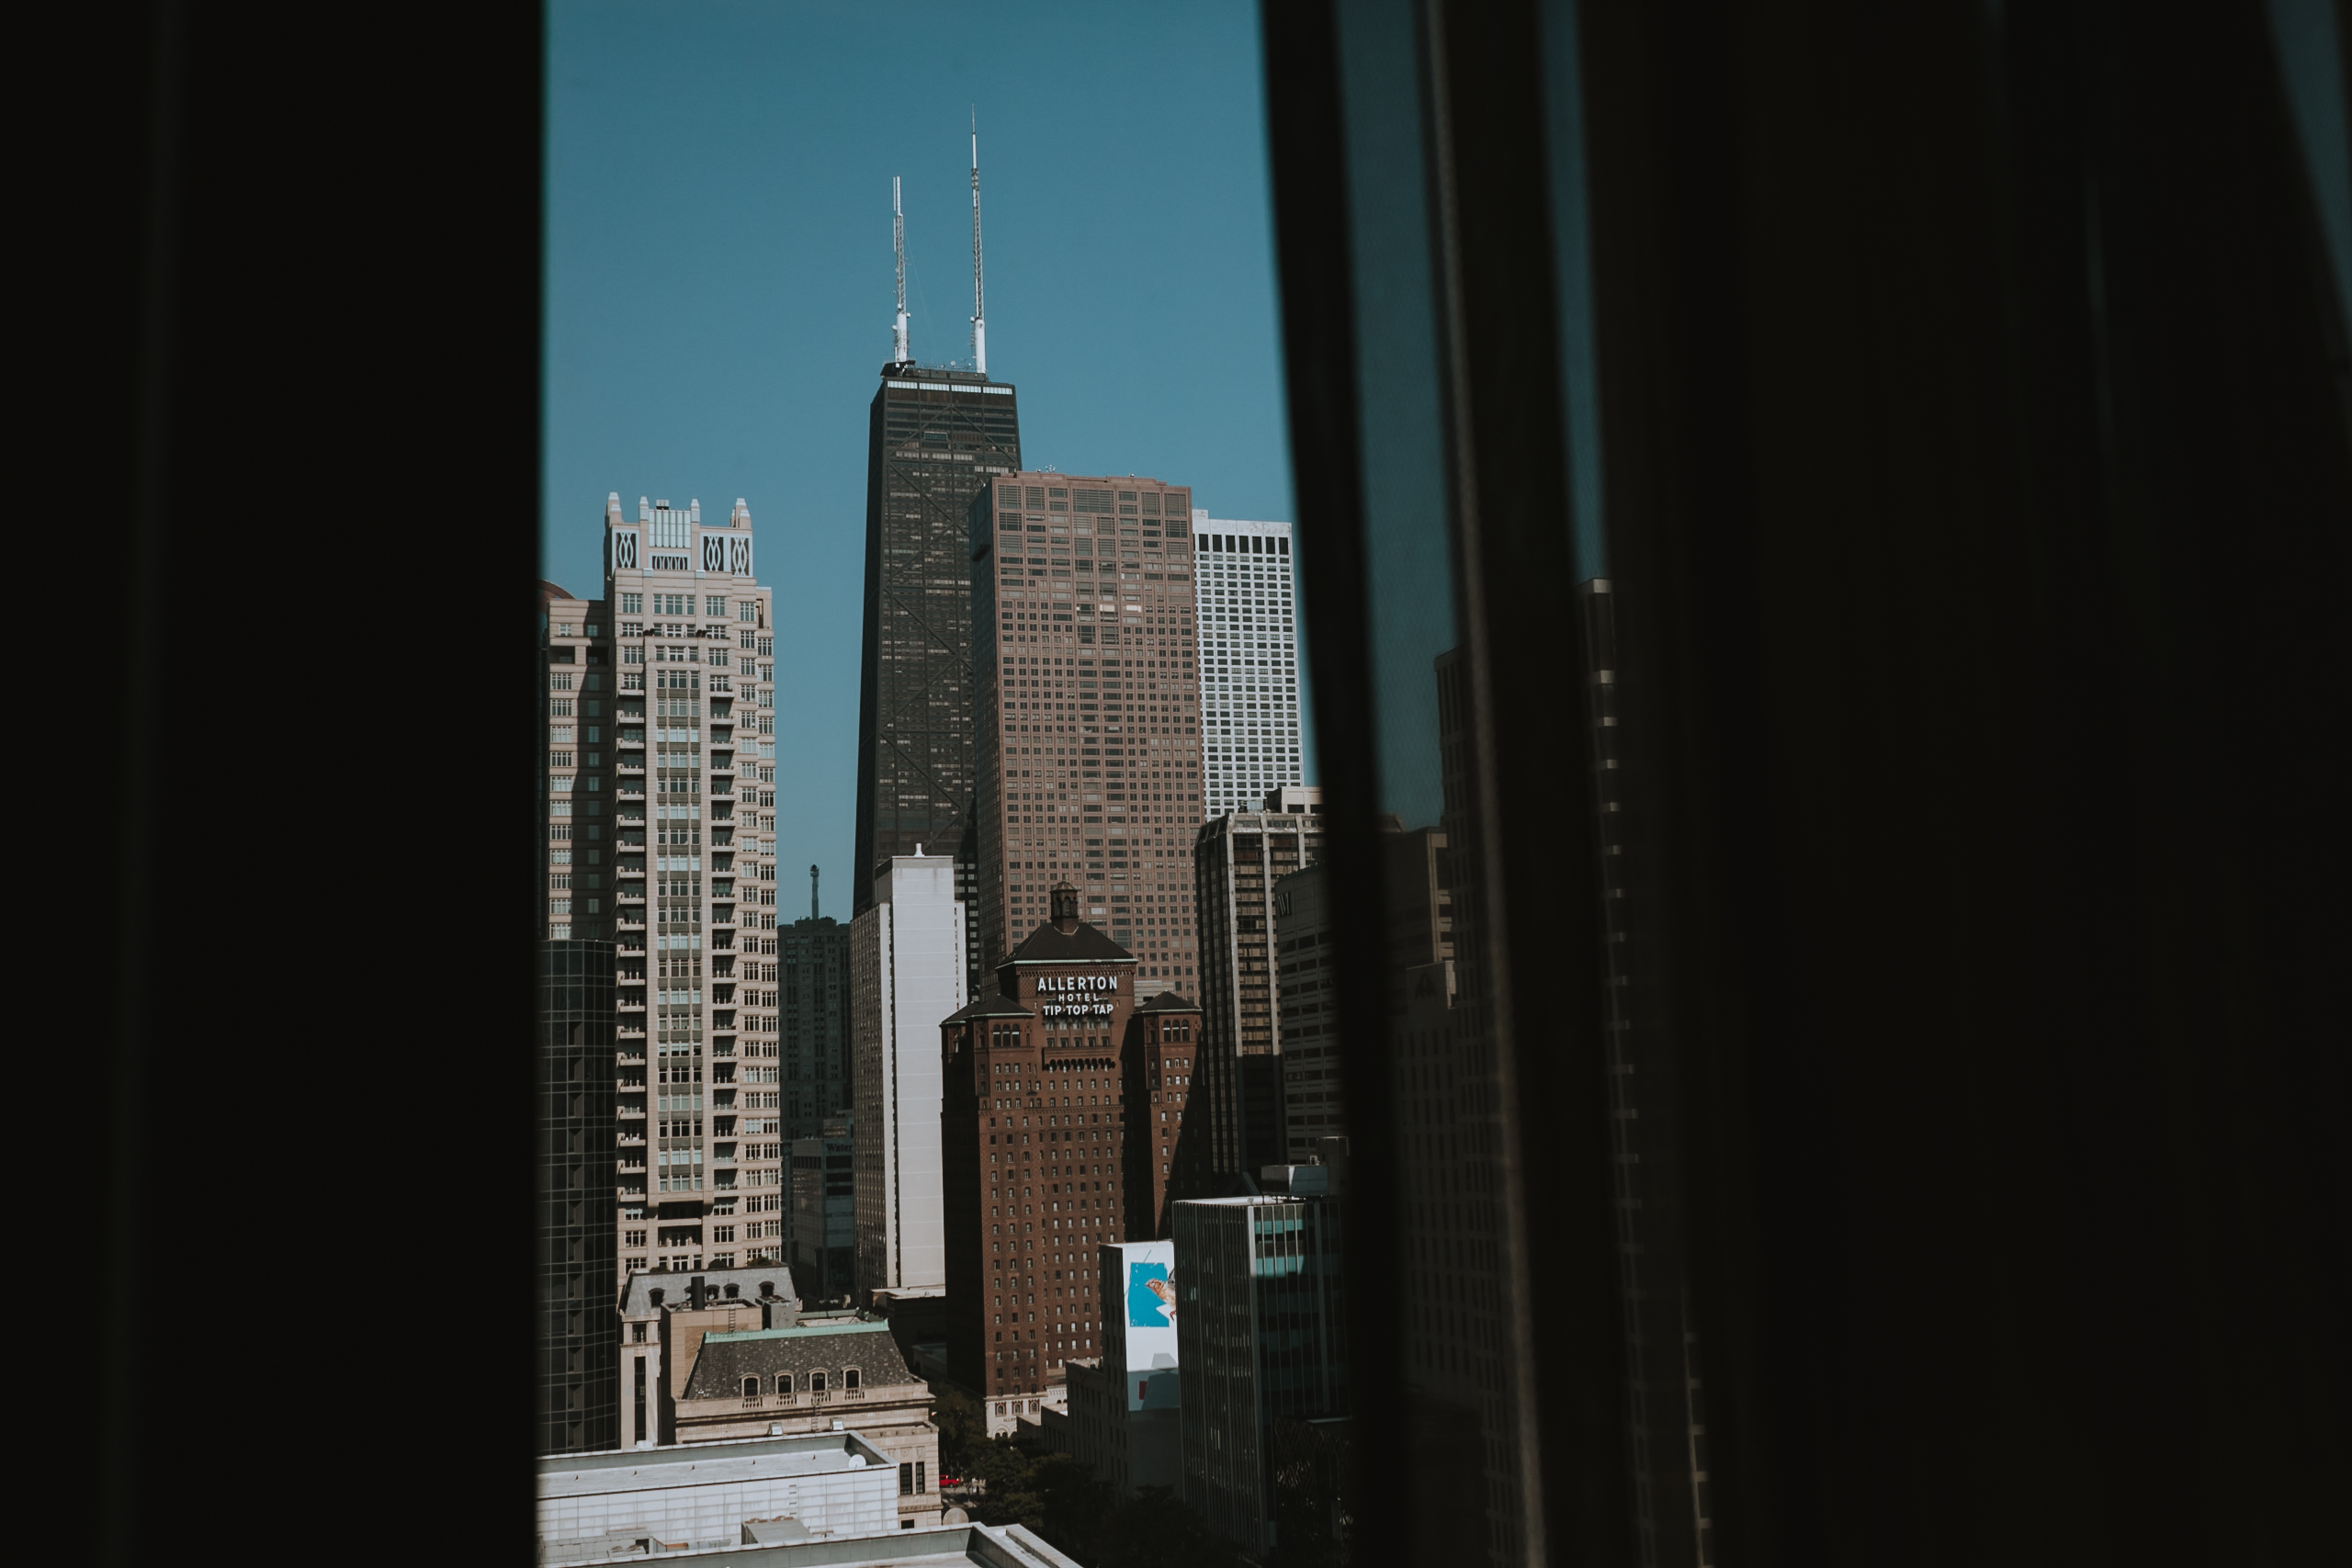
x: 719, y: 288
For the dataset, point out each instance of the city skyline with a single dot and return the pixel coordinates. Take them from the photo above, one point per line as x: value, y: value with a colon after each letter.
x: 720, y: 288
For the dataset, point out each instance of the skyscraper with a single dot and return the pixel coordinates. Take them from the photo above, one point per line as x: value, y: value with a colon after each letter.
x: 1157, y: 1058
x: 579, y: 1370
x: 1122, y: 1405
x: 1314, y: 1070
x: 1034, y: 1139
x: 934, y: 438
x: 1419, y: 930
x: 1236, y: 860
x: 1260, y: 1333
x: 907, y: 968
x: 1246, y: 593
x: 1460, y: 1370
x: 814, y: 990
x: 824, y: 1214
x: 689, y: 771
x: 1089, y: 769
x: 578, y: 680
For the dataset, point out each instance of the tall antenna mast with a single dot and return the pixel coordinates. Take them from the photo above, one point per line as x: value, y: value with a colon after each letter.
x: 899, y: 353
x: 980, y: 303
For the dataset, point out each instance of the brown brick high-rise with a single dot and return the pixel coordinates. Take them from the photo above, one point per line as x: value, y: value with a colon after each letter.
x: 1087, y: 682
x: 1163, y: 1043
x: 1036, y: 1154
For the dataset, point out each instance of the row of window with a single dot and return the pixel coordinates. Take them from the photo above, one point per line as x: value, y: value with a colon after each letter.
x: 714, y: 605
x: 744, y: 640
x: 851, y: 1379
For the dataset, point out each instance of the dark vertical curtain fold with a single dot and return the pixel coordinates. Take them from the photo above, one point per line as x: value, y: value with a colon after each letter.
x: 1977, y: 492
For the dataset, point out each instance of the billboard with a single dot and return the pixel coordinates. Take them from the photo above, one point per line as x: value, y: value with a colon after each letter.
x: 1146, y: 1283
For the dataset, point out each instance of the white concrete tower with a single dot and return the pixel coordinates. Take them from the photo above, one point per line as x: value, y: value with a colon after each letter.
x: 690, y: 662
x: 1245, y: 587
x: 906, y: 975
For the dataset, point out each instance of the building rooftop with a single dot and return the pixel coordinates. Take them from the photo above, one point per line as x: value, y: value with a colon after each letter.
x: 726, y: 1360
x: 998, y: 1005
x: 1051, y: 944
x: 940, y: 1546
x: 1169, y: 1001
x: 705, y: 1465
x: 769, y: 1281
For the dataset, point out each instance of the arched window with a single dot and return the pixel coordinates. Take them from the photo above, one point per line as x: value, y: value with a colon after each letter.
x: 816, y: 1383
x: 850, y: 1377
x: 784, y: 1383
x: 751, y: 1388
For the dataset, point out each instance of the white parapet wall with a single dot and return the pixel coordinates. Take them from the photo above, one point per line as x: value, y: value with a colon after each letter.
x: 835, y: 1483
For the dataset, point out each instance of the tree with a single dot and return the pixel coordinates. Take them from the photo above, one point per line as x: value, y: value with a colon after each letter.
x: 1002, y: 1467
x: 960, y: 1433
x: 1154, y: 1529
x: 1051, y: 1494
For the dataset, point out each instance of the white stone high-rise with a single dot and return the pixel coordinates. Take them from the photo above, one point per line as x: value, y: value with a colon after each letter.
x: 1246, y: 597
x: 907, y: 975
x: 685, y: 777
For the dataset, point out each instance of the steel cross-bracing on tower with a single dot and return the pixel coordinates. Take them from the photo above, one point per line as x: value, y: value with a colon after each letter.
x: 935, y: 438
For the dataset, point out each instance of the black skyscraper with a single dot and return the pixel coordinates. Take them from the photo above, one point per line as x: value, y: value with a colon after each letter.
x: 578, y: 1366
x: 935, y: 438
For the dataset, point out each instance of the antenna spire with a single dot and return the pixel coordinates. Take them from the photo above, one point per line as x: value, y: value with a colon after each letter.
x: 980, y: 303
x: 899, y: 351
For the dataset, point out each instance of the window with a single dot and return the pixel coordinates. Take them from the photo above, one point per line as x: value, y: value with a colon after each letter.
x: 850, y: 1379
x: 637, y: 1330
x: 816, y: 1383
x: 906, y: 1480
x: 784, y: 1383
x: 751, y: 1388
x: 713, y: 605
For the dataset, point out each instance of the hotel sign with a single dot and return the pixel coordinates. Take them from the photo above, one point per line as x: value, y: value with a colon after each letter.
x: 1076, y: 996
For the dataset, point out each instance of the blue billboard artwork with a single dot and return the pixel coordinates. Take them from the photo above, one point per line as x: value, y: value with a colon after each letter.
x: 1151, y: 1296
